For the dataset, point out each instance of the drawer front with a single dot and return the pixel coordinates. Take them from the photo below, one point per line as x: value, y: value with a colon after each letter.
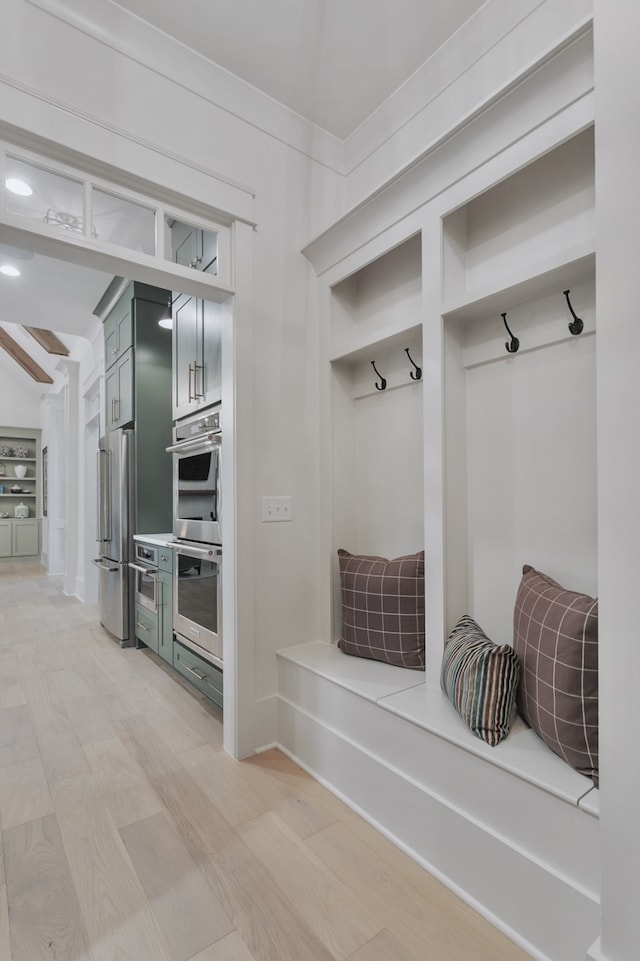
x: 147, y: 627
x: 200, y: 673
x: 165, y: 559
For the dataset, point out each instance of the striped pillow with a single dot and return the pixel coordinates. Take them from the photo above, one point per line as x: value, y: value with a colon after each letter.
x: 480, y: 679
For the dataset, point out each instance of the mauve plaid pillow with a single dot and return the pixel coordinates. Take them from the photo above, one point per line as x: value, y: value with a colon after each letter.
x: 555, y: 635
x: 383, y: 608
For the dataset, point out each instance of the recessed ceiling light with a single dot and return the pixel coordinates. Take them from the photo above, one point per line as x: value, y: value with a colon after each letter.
x: 17, y: 186
x: 9, y: 270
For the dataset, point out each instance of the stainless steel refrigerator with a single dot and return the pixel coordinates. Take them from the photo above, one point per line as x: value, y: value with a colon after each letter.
x: 116, y: 460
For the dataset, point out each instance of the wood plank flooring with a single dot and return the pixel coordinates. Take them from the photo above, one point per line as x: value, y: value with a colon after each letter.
x: 128, y: 834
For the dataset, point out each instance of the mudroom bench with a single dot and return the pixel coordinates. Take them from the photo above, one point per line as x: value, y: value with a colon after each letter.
x: 511, y: 828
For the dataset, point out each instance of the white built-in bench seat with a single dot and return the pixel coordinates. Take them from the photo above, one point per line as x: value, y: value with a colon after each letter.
x: 512, y: 828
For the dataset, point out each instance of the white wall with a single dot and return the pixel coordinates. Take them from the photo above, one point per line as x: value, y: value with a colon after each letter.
x: 132, y: 117
x: 19, y: 403
x: 617, y: 28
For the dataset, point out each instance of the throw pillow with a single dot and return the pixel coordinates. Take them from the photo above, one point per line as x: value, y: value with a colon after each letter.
x: 383, y: 608
x: 556, y: 639
x: 480, y: 679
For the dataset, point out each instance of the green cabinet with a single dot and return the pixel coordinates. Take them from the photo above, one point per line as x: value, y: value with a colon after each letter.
x: 193, y: 247
x: 147, y: 627
x: 119, y: 392
x: 197, y: 354
x: 165, y: 616
x: 26, y: 537
x: 118, y: 330
x: 6, y: 538
x: 198, y: 672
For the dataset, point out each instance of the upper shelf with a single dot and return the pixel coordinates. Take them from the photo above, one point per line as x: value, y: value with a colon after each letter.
x: 524, y: 235
x: 380, y: 305
x: 558, y: 271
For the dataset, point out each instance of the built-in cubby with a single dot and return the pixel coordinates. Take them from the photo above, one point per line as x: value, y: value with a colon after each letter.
x: 489, y: 462
x: 520, y: 427
x: 376, y: 412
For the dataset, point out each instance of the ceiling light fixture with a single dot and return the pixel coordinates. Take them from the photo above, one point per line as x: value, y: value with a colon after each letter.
x: 9, y: 271
x: 17, y: 186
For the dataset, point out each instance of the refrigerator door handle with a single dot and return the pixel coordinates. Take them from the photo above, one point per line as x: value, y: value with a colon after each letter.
x: 104, y: 495
x: 97, y: 561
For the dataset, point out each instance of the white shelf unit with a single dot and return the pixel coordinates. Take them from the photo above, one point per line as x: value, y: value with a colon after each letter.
x: 376, y: 435
x: 29, y: 494
x: 520, y: 428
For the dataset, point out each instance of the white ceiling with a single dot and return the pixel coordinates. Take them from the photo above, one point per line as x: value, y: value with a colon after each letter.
x: 332, y: 61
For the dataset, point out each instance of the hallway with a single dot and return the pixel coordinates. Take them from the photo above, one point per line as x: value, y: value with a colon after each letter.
x: 129, y: 835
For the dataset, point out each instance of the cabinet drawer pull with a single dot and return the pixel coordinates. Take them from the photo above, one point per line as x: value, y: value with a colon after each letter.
x: 201, y: 677
x: 142, y: 626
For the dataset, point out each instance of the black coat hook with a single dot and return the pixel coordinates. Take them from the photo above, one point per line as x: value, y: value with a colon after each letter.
x: 576, y: 326
x: 514, y: 344
x: 382, y: 385
x: 418, y: 370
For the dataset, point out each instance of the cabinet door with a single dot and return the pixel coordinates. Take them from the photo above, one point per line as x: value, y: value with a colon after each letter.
x: 209, y: 384
x: 165, y: 625
x: 125, y: 389
x: 119, y: 393
x: 6, y: 538
x: 110, y: 341
x: 118, y: 330
x: 185, y: 244
x: 147, y: 627
x: 25, y: 538
x: 111, y: 398
x: 187, y: 350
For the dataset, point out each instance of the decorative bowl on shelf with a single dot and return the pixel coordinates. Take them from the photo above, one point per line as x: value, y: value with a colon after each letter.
x: 16, y: 489
x: 3, y: 514
x: 20, y: 470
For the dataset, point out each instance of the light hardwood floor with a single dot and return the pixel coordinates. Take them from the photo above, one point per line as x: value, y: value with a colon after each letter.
x: 129, y: 835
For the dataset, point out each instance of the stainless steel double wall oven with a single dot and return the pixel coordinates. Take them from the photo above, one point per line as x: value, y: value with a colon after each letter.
x: 197, y: 528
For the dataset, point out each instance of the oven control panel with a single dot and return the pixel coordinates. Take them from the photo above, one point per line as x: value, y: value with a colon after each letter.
x: 149, y: 555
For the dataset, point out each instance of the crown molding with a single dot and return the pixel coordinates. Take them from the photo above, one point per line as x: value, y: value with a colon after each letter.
x: 133, y: 38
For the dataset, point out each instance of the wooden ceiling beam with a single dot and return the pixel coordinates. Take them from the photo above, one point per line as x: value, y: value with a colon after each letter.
x: 22, y: 358
x: 47, y: 339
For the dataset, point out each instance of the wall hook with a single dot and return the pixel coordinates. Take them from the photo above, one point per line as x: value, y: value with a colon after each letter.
x: 418, y: 370
x: 514, y: 344
x: 382, y: 385
x: 576, y: 326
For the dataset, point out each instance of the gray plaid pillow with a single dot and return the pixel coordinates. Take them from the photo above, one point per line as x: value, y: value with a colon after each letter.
x: 555, y: 635
x: 383, y: 608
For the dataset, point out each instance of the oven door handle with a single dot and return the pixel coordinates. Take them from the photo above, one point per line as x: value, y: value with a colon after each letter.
x: 195, y: 445
x: 149, y: 571
x: 204, y: 552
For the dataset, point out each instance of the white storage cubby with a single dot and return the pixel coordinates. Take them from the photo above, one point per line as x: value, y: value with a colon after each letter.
x: 520, y: 428
x: 377, y: 447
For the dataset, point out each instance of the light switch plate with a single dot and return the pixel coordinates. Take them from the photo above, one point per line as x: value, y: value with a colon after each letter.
x: 276, y: 508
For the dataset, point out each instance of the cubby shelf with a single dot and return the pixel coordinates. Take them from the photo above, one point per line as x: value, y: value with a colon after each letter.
x: 380, y: 341
x: 556, y: 273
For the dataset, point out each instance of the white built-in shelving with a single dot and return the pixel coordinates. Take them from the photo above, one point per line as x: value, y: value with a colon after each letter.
x: 520, y: 428
x: 376, y: 435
